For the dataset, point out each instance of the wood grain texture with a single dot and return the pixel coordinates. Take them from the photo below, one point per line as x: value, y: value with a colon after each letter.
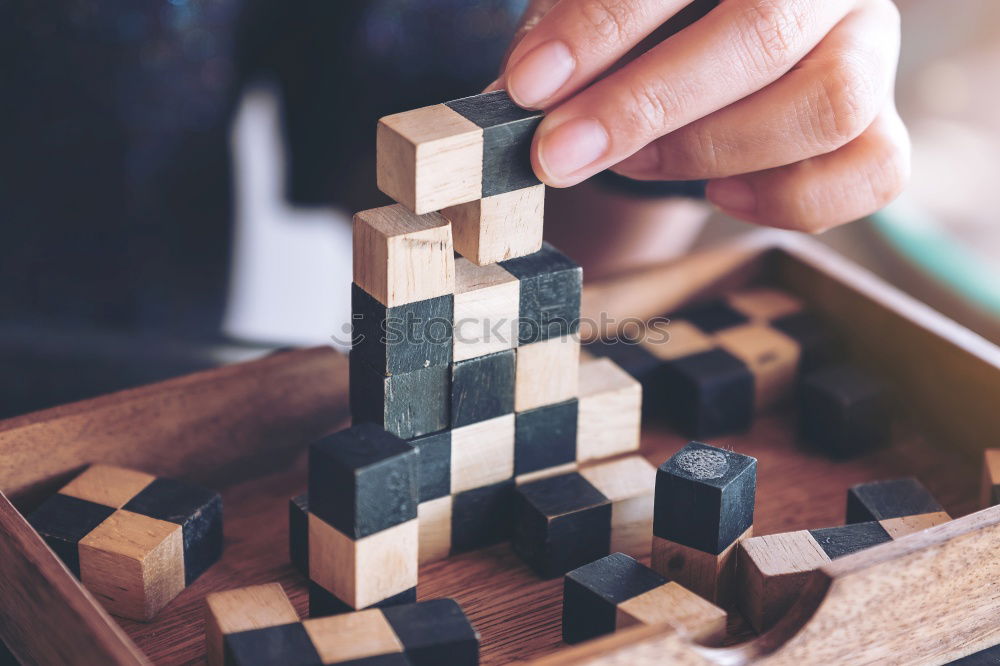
x: 500, y: 227
x: 429, y: 158
x: 906, y: 525
x: 486, y: 307
x: 677, y: 606
x: 610, y: 411
x: 108, y: 485
x: 482, y: 453
x: 434, y: 519
x: 243, y: 609
x: 547, y: 372
x: 400, y: 257
x: 708, y: 575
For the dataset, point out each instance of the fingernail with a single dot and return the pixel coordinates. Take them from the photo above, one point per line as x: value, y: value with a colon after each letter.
x: 540, y: 74
x: 572, y: 146
x: 644, y: 160
x: 733, y: 194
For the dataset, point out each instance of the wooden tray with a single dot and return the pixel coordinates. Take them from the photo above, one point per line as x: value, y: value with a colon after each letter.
x: 243, y: 429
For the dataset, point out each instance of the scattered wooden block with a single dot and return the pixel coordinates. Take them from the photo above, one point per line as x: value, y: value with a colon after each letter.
x: 771, y: 356
x: 298, y: 533
x: 711, y: 316
x: 434, y: 462
x: 545, y: 437
x: 482, y: 388
x: 561, y: 523
x: 610, y: 411
x: 547, y: 372
x: 456, y: 152
x: 708, y: 394
x: 486, y: 309
x: 763, y: 304
x: 989, y: 493
x: 246, y: 609
x: 134, y: 540
x: 402, y: 258
x: 482, y: 453
x: 409, y: 404
x: 403, y: 338
x: 363, y: 530
x: 675, y: 339
x: 703, y: 508
x: 616, y: 592
x: 628, y: 484
x: 890, y: 499
x: 818, y: 344
x: 844, y: 411
x: 500, y: 227
x: 435, y: 632
x: 481, y: 517
x: 551, y: 284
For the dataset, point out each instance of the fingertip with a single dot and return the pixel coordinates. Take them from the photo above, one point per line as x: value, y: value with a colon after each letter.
x: 733, y: 195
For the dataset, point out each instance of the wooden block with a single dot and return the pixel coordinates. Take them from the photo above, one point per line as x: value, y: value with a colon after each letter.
x: 988, y: 657
x: 430, y: 158
x: 844, y: 411
x: 538, y: 475
x: 551, y: 284
x: 481, y: 517
x: 364, y: 571
x: 410, y: 404
x: 435, y: 632
x: 818, y: 342
x: 848, y: 539
x: 298, y: 533
x: 486, y: 309
x: 322, y: 602
x: 610, y: 411
x: 628, y: 483
x: 243, y: 609
x: 362, y: 480
x: 434, y: 463
x: 402, y: 338
x: 763, y: 304
x: 675, y: 339
x: 482, y: 388
x: 434, y: 517
x: 711, y: 316
x: 898, y: 528
x: 560, y: 523
x: 545, y: 437
x: 352, y: 636
x: 893, y: 498
x: 547, y: 372
x: 135, y: 552
x: 989, y: 493
x: 402, y: 258
x: 482, y: 453
x: 708, y: 394
x: 133, y: 564
x: 771, y: 356
x: 704, y: 505
x: 616, y: 592
x: 500, y: 227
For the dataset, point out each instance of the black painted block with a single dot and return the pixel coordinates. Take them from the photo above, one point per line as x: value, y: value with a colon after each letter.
x: 592, y: 593
x: 561, y: 523
x: 298, y: 533
x: 988, y: 657
x: 644, y: 366
x: 323, y: 602
x: 391, y: 659
x: 197, y: 510
x: 409, y: 404
x: 286, y: 644
x: 844, y: 411
x: 402, y: 338
x: 846, y: 539
x: 482, y: 388
x: 818, y: 343
x: 550, y: 285
x: 704, y: 497
x: 707, y: 394
x: 712, y: 317
x: 363, y: 480
x: 482, y: 516
x: 435, y: 632
x: 507, y: 134
x: 62, y: 521
x: 545, y: 436
x: 434, y: 453
x: 895, y: 498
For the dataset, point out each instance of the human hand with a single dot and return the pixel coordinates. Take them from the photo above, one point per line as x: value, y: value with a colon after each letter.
x: 785, y: 106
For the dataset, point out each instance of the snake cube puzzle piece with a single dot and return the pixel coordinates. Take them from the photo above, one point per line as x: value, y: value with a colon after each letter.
x: 616, y: 592
x: 550, y: 290
x: 545, y: 437
x: 703, y: 509
x: 487, y: 299
x: 609, y: 413
x: 547, y: 372
x: 482, y: 388
x: 708, y: 394
x: 257, y: 626
x: 134, y: 540
x: 844, y: 411
x: 892, y: 501
x: 363, y: 533
x: 408, y: 405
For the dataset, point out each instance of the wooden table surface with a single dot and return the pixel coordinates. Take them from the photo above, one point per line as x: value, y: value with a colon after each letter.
x: 517, y: 614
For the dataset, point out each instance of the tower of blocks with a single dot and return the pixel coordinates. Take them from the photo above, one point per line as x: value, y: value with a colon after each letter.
x: 257, y: 626
x: 774, y: 568
x: 703, y: 508
x: 134, y: 540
